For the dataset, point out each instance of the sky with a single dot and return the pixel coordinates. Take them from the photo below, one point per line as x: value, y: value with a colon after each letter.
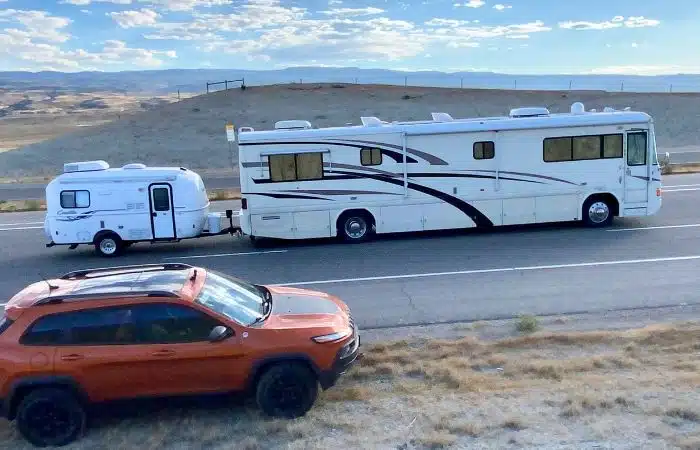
x: 509, y: 36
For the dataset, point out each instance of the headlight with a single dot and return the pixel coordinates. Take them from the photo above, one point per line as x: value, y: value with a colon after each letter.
x: 332, y: 337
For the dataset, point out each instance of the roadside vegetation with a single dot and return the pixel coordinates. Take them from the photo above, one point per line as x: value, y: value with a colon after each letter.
x: 615, y: 389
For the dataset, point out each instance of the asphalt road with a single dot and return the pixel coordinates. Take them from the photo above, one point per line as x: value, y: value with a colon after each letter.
x: 437, y: 277
x: 36, y: 191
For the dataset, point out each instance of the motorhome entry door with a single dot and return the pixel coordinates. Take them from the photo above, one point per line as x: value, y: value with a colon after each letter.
x: 162, y: 216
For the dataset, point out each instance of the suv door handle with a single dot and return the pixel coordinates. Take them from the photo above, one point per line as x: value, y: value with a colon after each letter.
x: 73, y: 357
x: 163, y: 353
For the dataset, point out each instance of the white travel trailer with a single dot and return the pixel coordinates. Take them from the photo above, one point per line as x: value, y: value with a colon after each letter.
x: 112, y: 208
x: 531, y: 166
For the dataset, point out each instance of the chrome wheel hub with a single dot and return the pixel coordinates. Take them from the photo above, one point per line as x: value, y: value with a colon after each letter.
x: 598, y: 212
x: 355, y: 228
x: 108, y: 246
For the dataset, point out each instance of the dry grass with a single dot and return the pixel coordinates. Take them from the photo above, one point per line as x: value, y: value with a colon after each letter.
x: 534, y: 390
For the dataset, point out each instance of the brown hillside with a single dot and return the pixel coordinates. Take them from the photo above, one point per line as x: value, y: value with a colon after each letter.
x: 191, y: 132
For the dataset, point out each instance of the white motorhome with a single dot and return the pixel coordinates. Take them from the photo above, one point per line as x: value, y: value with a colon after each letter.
x: 112, y: 208
x: 531, y: 166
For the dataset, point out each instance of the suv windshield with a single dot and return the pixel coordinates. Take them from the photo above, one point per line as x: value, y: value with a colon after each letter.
x: 235, y: 299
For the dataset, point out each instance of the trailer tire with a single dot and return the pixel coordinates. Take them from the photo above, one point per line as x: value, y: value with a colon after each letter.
x: 355, y: 226
x: 108, y: 244
x: 599, y: 211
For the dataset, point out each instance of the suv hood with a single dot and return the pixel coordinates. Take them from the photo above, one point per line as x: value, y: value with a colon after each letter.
x: 297, y: 308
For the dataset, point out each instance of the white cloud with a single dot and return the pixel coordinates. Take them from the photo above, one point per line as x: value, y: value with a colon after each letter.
x: 133, y: 19
x: 616, y: 22
x: 501, y: 7
x: 353, y: 12
x: 86, y: 11
x: 37, y: 25
x: 87, y: 2
x: 471, y: 4
x: 335, y: 2
x: 635, y: 45
x: 189, y: 5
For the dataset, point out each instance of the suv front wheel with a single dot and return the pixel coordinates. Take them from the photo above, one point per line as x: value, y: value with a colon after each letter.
x: 50, y: 417
x: 287, y: 390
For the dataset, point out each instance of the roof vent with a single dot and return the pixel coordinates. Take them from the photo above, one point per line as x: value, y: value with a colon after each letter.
x: 529, y: 112
x: 578, y: 108
x: 608, y: 109
x: 292, y: 125
x: 371, y: 121
x: 441, y: 117
x: 85, y: 166
x: 134, y: 166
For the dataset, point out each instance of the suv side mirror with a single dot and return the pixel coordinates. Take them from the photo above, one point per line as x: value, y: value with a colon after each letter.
x: 220, y: 333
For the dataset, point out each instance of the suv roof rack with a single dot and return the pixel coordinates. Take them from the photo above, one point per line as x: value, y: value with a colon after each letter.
x: 106, y: 271
x: 54, y: 299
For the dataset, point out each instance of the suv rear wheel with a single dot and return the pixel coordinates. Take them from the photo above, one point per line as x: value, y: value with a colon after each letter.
x: 50, y: 417
x: 287, y: 390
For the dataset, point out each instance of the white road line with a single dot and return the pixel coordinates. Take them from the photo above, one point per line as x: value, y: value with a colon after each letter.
x: 21, y: 228
x: 218, y: 255
x: 665, y: 191
x: 503, y: 269
x: 658, y: 227
x: 20, y: 223
x: 682, y: 185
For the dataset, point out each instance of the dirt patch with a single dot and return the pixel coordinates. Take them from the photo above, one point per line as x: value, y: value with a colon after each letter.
x: 191, y: 132
x: 601, y: 389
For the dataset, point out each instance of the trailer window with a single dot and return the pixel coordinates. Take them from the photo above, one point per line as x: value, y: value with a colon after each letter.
x: 612, y: 146
x: 371, y: 156
x: 558, y: 149
x: 484, y: 150
x: 161, y: 199
x: 636, y: 149
x: 75, y: 199
x: 296, y: 166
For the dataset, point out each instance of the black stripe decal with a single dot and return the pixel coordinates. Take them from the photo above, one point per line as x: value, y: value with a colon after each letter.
x: 477, y: 216
x: 275, y: 195
x: 534, y: 175
x: 432, y: 159
x: 466, y: 175
x: 340, y: 192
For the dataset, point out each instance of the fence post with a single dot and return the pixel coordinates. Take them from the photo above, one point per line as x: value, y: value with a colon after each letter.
x: 178, y: 95
x: 405, y: 81
x: 226, y: 85
x: 515, y: 84
x: 461, y: 83
x: 207, y: 87
x: 671, y: 88
x: 622, y: 86
x: 570, y: 84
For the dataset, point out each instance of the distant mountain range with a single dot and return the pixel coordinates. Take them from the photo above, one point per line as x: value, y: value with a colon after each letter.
x: 195, y: 80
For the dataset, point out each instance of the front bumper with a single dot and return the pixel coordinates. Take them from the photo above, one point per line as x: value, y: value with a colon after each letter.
x: 341, y: 365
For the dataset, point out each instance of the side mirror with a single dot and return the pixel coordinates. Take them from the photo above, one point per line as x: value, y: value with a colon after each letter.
x: 220, y: 333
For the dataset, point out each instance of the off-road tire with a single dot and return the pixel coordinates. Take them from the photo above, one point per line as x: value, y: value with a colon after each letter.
x: 300, y: 381
x: 50, y: 417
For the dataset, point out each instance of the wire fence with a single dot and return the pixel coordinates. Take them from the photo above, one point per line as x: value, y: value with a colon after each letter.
x: 690, y: 84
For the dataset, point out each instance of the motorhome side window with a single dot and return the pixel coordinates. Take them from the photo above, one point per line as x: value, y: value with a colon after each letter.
x: 484, y: 150
x: 371, y: 156
x: 75, y: 199
x: 296, y: 166
x: 582, y: 148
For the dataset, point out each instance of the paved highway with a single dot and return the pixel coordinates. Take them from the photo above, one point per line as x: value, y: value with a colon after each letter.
x: 437, y: 277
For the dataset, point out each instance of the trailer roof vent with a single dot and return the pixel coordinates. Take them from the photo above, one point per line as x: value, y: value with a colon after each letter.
x: 578, y: 108
x: 608, y: 109
x: 441, y: 117
x: 134, y: 166
x: 292, y: 125
x: 372, y: 121
x: 85, y: 166
x: 529, y: 112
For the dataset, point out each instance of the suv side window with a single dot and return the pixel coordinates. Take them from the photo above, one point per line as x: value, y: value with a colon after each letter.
x: 161, y: 323
x: 48, y: 330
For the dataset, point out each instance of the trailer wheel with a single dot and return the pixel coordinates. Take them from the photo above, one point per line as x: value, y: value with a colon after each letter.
x: 108, y: 245
x: 355, y: 226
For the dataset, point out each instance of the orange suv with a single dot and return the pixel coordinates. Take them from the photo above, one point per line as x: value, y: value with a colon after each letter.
x: 155, y: 330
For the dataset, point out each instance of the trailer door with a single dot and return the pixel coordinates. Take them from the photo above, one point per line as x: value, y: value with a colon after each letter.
x: 162, y: 216
x: 636, y: 173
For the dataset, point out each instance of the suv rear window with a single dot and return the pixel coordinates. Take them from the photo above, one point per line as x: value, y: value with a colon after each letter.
x: 5, y: 322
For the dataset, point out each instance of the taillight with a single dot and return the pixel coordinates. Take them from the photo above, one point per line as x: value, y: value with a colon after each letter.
x: 244, y: 203
x: 658, y: 192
